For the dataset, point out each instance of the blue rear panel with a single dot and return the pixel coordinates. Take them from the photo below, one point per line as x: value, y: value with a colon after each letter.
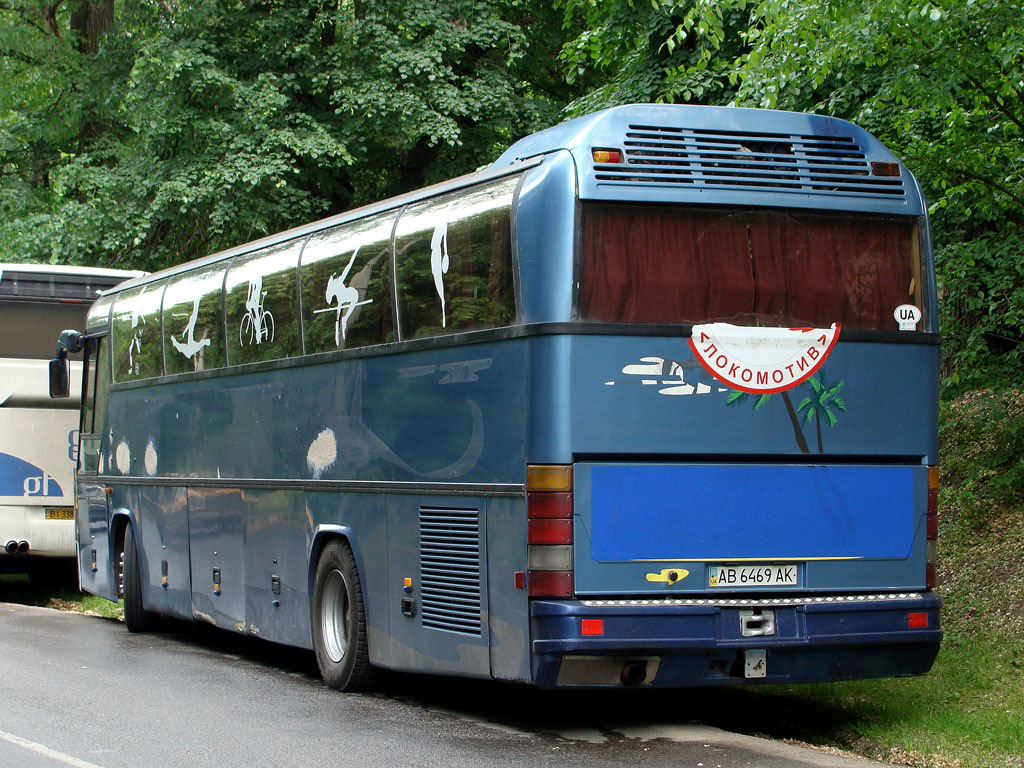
x: 718, y: 512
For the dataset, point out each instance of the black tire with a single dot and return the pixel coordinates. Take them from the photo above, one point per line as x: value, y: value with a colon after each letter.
x: 136, y: 617
x: 339, y: 622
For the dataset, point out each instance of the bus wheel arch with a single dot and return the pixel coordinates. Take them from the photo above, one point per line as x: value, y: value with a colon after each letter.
x: 338, y: 617
x: 136, y: 617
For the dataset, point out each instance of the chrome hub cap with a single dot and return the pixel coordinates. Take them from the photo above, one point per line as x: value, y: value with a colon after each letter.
x: 334, y: 610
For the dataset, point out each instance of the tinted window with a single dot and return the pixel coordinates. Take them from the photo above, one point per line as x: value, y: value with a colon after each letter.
x: 454, y: 262
x: 193, y: 321
x: 346, y: 286
x: 94, y: 404
x: 259, y: 301
x: 99, y: 314
x: 136, y: 333
x: 662, y: 264
x: 88, y: 387
x: 29, y: 329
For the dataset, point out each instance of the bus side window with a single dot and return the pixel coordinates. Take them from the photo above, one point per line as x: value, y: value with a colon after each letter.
x: 94, y: 405
x: 259, y: 301
x: 346, y: 286
x: 453, y: 259
x: 135, y: 328
x: 193, y: 324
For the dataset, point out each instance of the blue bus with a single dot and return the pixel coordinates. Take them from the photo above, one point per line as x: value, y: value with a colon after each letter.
x: 651, y: 401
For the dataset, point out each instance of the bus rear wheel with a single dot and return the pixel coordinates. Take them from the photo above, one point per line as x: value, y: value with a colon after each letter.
x: 339, y: 622
x: 136, y: 617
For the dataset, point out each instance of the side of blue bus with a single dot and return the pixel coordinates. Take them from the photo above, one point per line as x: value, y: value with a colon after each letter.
x: 489, y: 392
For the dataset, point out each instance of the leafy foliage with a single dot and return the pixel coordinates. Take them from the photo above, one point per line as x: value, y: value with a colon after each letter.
x: 657, y: 51
x: 179, y: 129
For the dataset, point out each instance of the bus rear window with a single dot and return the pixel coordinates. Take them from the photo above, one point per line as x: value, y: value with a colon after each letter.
x: 660, y: 264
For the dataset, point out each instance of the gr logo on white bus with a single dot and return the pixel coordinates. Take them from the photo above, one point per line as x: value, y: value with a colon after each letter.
x: 762, y: 360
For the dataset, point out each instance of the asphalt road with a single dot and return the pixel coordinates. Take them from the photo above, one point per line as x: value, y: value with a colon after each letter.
x: 81, y: 691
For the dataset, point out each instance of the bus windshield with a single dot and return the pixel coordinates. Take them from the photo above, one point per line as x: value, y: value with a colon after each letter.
x: 660, y: 264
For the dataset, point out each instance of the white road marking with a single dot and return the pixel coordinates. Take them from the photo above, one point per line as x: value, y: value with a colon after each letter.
x: 46, y: 751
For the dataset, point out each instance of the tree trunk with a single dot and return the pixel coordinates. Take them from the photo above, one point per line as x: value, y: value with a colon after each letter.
x: 89, y: 20
x: 800, y: 441
x: 817, y: 425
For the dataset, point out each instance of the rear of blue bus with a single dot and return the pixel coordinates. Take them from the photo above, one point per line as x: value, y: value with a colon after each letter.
x: 733, y: 440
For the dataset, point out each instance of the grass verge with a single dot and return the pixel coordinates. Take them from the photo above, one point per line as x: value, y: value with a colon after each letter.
x: 16, y: 588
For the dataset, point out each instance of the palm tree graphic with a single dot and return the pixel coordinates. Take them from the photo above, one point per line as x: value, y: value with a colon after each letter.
x: 820, y: 404
x: 737, y: 396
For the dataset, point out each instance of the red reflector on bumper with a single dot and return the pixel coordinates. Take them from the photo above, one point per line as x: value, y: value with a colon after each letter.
x: 592, y: 626
x: 917, y: 621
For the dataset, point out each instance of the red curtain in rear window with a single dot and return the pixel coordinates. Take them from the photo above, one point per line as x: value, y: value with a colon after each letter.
x: 653, y: 264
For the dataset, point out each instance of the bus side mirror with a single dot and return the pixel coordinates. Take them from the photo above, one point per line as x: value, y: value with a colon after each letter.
x: 60, y: 376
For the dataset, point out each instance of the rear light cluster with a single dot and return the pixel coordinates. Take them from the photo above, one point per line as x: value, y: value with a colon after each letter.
x: 549, y: 521
x: 932, y: 527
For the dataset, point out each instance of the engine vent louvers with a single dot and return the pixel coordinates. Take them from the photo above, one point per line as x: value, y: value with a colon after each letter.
x: 827, y: 165
x: 450, y: 569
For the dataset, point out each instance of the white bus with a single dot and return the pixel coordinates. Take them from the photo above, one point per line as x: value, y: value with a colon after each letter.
x: 39, y: 436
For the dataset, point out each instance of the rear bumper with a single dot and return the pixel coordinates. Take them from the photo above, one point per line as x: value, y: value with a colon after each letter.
x: 693, y: 642
x: 48, y: 538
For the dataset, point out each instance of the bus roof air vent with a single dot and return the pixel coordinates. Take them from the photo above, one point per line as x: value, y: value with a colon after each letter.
x: 807, y: 164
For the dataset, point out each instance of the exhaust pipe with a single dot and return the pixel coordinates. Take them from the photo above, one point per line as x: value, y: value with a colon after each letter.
x: 634, y: 673
x: 22, y: 547
x: 11, y: 548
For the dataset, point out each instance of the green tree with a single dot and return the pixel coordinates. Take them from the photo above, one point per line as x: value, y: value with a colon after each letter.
x: 655, y: 50
x: 144, y: 134
x: 824, y: 398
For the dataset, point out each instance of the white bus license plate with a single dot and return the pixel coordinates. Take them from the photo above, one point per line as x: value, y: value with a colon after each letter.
x: 60, y: 513
x: 752, y: 576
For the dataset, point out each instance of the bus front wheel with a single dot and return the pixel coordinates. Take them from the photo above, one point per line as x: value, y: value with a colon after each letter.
x: 136, y: 617
x: 339, y: 621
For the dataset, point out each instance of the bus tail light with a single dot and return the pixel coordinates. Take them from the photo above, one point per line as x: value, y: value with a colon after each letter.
x: 549, y: 530
x: 606, y: 155
x: 932, y: 528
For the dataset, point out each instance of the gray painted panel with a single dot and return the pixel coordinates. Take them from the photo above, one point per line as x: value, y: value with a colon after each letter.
x: 162, y: 523
x: 508, y: 607
x: 216, y: 540
x: 277, y: 535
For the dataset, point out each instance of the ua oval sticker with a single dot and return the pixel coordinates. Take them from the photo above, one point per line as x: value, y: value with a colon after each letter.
x: 762, y: 360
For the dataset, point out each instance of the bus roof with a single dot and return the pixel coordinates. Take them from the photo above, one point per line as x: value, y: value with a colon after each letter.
x: 678, y: 153
x: 59, y: 282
